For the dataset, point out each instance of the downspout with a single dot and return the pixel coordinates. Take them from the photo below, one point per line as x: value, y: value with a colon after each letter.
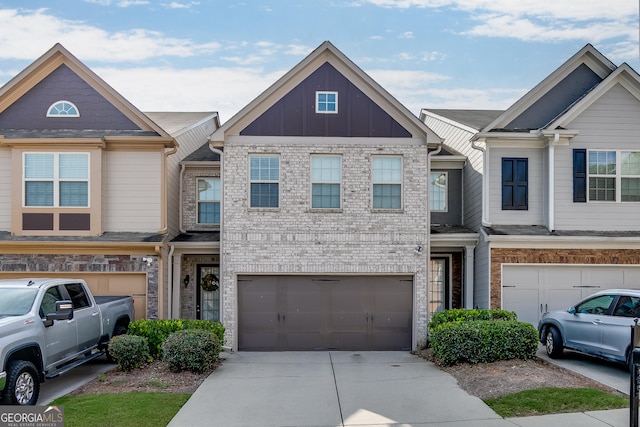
x: 485, y: 186
x: 551, y: 186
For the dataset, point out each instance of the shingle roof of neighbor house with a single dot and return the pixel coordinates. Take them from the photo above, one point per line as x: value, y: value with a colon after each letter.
x: 476, y: 119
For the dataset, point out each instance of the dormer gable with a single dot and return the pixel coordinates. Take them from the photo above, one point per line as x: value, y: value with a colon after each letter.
x: 58, y: 80
x: 290, y: 106
x: 556, y: 93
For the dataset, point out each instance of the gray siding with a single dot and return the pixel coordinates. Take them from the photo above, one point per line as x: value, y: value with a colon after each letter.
x: 610, y: 123
x: 482, y: 274
x: 535, y: 215
x: 453, y: 214
x: 458, y: 139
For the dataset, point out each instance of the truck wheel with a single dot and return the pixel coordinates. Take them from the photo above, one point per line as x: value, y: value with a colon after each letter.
x: 23, y: 384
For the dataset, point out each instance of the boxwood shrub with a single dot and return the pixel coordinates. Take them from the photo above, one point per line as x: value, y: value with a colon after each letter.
x: 192, y: 350
x: 464, y: 315
x: 156, y: 331
x: 481, y: 341
x: 130, y: 352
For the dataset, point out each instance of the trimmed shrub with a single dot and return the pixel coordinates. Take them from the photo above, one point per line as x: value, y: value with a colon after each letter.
x: 193, y: 350
x: 465, y: 315
x: 129, y: 351
x: 156, y: 331
x: 482, y: 341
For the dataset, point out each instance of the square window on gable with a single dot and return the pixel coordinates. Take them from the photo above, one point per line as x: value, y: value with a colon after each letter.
x: 327, y: 102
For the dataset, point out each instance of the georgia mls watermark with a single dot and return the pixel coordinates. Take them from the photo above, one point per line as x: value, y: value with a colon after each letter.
x: 31, y: 416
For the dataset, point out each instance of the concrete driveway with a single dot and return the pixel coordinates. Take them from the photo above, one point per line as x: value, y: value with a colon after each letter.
x: 332, y: 389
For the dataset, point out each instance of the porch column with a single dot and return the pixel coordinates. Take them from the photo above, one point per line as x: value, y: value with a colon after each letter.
x: 468, y: 276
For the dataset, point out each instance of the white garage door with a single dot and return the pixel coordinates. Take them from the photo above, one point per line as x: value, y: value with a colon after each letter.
x: 534, y: 289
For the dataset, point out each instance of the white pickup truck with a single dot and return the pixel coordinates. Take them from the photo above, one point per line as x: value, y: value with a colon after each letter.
x: 48, y: 326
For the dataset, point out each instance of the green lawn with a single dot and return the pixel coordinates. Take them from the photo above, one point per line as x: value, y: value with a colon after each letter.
x: 121, y: 410
x: 555, y: 400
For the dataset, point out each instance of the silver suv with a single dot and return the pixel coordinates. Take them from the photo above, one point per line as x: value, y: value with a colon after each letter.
x: 598, y: 325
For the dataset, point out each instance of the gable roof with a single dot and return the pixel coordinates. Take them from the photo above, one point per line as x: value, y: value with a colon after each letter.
x: 52, y: 60
x: 325, y: 53
x: 556, y: 93
x: 473, y: 119
x: 623, y: 75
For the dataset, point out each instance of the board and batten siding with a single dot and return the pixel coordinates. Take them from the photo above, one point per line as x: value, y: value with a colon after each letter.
x: 5, y: 189
x: 610, y: 123
x: 459, y: 139
x: 535, y: 214
x: 132, y: 198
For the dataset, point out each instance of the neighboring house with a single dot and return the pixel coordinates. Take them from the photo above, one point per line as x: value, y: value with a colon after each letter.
x: 86, y: 181
x: 561, y: 188
x: 452, y: 249
x: 325, y: 220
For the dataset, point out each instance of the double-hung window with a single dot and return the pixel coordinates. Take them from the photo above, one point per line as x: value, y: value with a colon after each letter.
x: 387, y: 182
x: 613, y: 176
x: 438, y: 191
x: 209, y: 201
x: 56, y: 179
x: 326, y: 177
x: 264, y: 176
x: 515, y: 184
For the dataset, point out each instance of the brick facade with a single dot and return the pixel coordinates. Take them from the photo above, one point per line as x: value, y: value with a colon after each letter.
x: 293, y: 239
x: 501, y: 256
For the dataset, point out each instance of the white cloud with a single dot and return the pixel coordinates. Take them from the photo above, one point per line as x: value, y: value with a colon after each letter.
x: 28, y: 34
x: 225, y: 90
x: 407, y: 35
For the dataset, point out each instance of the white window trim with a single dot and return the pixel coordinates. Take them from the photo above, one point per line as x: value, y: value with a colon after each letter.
x: 401, y: 182
x: 63, y: 115
x: 265, y: 181
x: 339, y: 182
x: 199, y: 200
x: 326, y: 92
x: 618, y: 176
x: 446, y: 191
x: 56, y: 180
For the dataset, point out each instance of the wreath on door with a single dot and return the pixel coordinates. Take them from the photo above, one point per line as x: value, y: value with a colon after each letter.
x: 210, y: 282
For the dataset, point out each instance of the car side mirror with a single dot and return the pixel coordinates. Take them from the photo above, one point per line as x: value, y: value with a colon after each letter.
x: 64, y: 311
x: 572, y: 310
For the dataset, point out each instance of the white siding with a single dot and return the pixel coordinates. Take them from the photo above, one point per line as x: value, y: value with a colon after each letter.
x: 132, y: 193
x: 535, y: 215
x: 612, y: 122
x: 459, y: 139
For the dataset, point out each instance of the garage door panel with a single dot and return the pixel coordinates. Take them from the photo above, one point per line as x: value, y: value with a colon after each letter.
x: 326, y: 312
x: 523, y: 301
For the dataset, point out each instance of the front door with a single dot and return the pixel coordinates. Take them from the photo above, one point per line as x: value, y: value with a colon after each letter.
x: 208, y: 298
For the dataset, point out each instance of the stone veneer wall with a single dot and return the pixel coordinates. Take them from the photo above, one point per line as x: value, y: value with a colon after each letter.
x: 91, y: 264
x: 190, y: 198
x: 295, y: 240
x: 500, y: 256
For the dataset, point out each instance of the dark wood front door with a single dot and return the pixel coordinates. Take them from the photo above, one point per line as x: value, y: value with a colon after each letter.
x: 318, y: 313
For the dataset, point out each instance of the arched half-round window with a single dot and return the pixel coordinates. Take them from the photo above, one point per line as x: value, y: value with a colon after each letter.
x: 63, y: 109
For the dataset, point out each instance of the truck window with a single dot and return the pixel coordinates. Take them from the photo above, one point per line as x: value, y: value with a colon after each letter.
x: 49, y: 299
x: 77, y: 295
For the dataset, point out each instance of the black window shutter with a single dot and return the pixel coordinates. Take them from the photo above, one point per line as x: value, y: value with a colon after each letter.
x: 580, y: 175
x: 515, y: 184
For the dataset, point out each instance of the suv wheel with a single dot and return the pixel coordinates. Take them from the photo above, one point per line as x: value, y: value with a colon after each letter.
x: 553, y: 343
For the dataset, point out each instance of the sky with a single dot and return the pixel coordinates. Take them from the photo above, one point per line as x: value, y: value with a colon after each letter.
x: 219, y: 55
